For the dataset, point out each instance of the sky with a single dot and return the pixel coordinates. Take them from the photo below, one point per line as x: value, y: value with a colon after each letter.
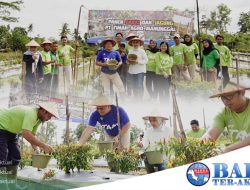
x: 47, y: 16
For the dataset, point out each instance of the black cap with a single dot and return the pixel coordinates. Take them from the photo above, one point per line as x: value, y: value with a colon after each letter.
x: 194, y: 121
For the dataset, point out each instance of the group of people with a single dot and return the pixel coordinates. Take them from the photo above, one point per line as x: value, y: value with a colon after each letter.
x: 41, y: 68
x: 25, y: 120
x: 158, y: 65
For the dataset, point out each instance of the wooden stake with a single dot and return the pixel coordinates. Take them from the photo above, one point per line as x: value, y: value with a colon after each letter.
x: 67, y: 121
x: 118, y: 117
x: 237, y: 73
x: 204, y: 119
x: 183, y: 135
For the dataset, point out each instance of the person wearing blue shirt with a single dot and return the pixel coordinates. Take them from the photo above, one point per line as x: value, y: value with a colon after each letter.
x: 107, y: 75
x: 106, y: 116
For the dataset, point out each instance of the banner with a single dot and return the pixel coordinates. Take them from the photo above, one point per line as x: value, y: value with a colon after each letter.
x: 147, y: 24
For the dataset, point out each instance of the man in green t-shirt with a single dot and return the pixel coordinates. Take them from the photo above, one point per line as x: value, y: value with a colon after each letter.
x: 65, y: 51
x: 234, y: 118
x: 118, y: 40
x: 46, y: 61
x: 54, y: 67
x: 21, y: 120
x: 196, y: 131
x: 180, y: 66
x: 225, y: 59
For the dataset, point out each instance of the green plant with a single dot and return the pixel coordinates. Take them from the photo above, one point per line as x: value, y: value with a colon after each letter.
x: 26, y: 158
x: 195, y: 88
x: 124, y: 160
x: 49, y: 174
x: 182, y: 152
x: 73, y: 156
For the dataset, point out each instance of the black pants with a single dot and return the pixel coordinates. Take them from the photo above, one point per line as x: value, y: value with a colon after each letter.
x: 151, y: 78
x: 30, y: 84
x: 9, y: 149
x: 162, y: 87
x: 46, y: 84
x: 55, y: 83
x: 225, y: 75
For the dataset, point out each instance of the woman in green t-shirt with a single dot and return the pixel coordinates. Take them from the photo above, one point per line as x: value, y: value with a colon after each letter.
x: 150, y: 74
x: 164, y: 63
x: 210, y: 59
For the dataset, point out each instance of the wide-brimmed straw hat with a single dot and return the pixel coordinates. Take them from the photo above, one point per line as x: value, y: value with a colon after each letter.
x: 32, y: 43
x: 177, y: 36
x: 155, y: 113
x: 108, y: 40
x: 101, y: 100
x: 49, y: 107
x: 135, y: 39
x: 229, y: 91
x: 131, y: 35
x: 46, y: 42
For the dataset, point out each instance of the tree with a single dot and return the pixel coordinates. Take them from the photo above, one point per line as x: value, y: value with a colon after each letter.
x: 30, y: 28
x: 65, y: 29
x: 4, y: 35
x: 6, y: 8
x: 244, y: 22
x: 170, y: 9
x: 47, y: 133
x: 219, y: 19
x: 18, y: 39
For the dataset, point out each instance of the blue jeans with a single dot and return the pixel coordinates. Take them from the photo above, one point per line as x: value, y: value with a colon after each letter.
x: 9, y: 149
x: 135, y: 84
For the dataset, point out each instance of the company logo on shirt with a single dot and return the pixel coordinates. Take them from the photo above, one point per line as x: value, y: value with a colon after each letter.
x: 110, y: 127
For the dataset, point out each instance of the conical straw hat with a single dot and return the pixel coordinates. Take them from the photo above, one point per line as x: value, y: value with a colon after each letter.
x: 32, y: 43
x: 50, y: 107
x: 227, y: 91
x: 155, y: 113
x: 101, y: 100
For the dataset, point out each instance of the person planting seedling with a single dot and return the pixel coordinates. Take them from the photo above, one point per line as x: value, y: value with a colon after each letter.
x: 24, y: 120
x: 106, y: 116
x: 234, y: 118
x: 157, y: 134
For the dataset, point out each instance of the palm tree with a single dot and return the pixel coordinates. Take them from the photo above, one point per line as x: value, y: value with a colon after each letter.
x: 30, y: 28
x: 7, y: 7
x: 65, y: 29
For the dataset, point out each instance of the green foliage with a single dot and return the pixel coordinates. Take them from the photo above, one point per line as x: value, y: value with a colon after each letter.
x: 244, y: 22
x: 196, y: 88
x: 134, y: 134
x: 49, y: 174
x: 219, y: 19
x: 182, y: 152
x: 65, y: 29
x: 4, y: 35
x: 124, y: 160
x: 18, y: 39
x: 47, y: 133
x: 72, y: 156
x: 26, y: 158
x: 80, y: 128
x: 6, y: 8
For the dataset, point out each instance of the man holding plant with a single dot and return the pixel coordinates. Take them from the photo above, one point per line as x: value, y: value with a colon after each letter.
x: 234, y: 118
x: 24, y: 120
x: 106, y: 116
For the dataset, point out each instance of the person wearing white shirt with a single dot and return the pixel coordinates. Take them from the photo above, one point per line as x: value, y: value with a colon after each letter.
x: 158, y: 133
x: 137, y: 69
